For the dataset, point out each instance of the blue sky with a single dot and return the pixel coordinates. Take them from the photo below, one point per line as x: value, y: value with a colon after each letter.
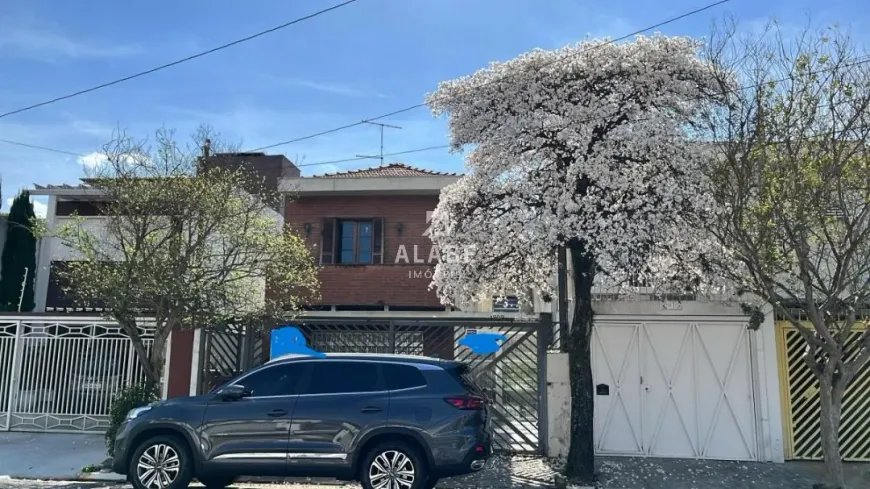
x: 363, y: 60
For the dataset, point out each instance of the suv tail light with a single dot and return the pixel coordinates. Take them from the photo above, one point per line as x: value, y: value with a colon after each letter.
x: 466, y: 402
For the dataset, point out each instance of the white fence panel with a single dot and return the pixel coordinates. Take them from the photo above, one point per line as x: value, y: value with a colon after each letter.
x: 61, y: 374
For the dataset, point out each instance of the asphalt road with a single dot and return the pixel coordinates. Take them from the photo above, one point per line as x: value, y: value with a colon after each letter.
x: 38, y: 484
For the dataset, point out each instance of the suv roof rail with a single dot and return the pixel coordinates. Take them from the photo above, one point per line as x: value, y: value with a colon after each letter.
x: 372, y: 356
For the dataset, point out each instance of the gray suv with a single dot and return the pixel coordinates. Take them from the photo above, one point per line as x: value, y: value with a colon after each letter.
x: 387, y: 421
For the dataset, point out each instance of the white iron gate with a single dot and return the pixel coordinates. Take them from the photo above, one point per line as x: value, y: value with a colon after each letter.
x: 61, y: 374
x: 674, y: 387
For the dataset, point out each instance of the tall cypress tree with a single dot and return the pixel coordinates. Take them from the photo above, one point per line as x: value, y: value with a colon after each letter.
x: 18, y: 253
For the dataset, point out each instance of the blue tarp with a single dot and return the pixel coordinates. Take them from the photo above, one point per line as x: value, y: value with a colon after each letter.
x: 288, y: 339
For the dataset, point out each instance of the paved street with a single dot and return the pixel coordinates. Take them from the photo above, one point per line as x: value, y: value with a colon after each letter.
x: 615, y: 473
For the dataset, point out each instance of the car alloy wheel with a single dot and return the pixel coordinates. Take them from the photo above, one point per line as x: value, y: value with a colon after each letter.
x: 158, y: 466
x: 392, y: 469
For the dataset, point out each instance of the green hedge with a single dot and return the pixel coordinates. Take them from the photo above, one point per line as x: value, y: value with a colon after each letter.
x: 130, y: 398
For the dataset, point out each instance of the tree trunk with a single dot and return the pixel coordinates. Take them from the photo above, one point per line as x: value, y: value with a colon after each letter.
x: 158, y: 356
x: 148, y: 362
x: 831, y: 402
x: 581, y: 455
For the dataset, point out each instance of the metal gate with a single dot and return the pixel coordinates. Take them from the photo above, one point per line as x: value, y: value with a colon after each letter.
x: 801, y: 401
x: 226, y: 352
x: 514, y: 377
x: 60, y: 374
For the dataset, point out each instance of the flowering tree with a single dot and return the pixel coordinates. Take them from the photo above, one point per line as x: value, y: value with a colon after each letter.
x: 793, y: 204
x: 585, y: 147
x: 187, y: 240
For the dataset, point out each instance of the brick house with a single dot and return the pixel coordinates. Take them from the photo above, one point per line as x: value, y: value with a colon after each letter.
x: 368, y: 230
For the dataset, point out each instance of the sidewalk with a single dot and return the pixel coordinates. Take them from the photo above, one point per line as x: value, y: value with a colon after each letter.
x: 61, y: 457
x: 56, y: 456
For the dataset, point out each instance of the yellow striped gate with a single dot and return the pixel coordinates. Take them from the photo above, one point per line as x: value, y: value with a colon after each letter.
x: 800, y: 400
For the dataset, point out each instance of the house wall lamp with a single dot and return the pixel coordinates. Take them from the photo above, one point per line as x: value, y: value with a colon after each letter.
x: 307, y: 227
x: 399, y: 228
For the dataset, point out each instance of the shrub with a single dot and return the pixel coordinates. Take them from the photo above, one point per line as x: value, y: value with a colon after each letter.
x: 129, y: 398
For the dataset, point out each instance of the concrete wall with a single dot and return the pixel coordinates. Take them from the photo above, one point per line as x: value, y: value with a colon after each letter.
x: 558, y: 405
x: 3, y: 226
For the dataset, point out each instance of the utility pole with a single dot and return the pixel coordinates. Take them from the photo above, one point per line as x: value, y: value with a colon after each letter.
x: 381, y: 155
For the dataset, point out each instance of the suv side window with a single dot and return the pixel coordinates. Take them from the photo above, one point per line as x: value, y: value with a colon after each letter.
x: 400, y: 376
x: 331, y: 377
x: 278, y: 380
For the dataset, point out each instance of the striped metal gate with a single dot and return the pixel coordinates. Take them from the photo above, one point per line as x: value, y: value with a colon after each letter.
x: 800, y: 399
x: 60, y: 374
x: 514, y: 376
x: 228, y: 351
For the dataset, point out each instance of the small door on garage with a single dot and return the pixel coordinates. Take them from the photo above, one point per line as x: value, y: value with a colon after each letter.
x: 674, y: 389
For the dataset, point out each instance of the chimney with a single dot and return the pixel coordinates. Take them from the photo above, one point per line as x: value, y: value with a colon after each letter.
x: 270, y: 168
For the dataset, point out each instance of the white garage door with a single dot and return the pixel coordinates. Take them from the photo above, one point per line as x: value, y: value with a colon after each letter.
x: 668, y: 388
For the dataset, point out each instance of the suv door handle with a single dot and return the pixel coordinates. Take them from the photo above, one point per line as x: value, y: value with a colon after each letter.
x: 276, y: 413
x: 371, y: 409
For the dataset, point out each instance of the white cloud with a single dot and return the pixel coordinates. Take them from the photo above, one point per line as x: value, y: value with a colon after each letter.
x: 39, y: 208
x: 33, y: 38
x: 325, y: 87
x: 92, y: 160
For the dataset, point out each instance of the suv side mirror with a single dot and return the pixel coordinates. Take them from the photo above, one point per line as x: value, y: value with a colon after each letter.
x: 234, y: 392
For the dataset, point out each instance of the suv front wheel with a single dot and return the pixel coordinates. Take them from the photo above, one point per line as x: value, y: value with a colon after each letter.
x: 161, y: 462
x: 393, y: 465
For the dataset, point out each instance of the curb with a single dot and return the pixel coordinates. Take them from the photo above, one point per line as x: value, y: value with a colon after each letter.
x: 102, y: 477
x: 80, y: 477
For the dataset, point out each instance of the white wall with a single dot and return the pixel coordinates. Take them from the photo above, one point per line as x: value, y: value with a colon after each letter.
x: 558, y: 405
x: 252, y: 294
x: 58, y: 251
x: 3, y: 226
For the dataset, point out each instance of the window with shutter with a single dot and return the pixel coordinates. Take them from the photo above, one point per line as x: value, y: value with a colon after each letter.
x: 354, y: 242
x: 378, y: 241
x: 327, y: 242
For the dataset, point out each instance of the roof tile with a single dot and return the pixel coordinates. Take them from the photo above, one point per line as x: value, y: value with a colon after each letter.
x: 387, y: 171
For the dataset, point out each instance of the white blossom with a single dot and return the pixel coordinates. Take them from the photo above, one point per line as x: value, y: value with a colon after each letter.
x: 591, y: 142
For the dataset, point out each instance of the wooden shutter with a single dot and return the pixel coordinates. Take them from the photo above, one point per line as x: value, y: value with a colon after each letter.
x: 378, y: 241
x: 327, y: 241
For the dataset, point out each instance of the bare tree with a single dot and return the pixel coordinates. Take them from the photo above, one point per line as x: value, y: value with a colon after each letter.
x: 187, y: 240
x: 793, y: 190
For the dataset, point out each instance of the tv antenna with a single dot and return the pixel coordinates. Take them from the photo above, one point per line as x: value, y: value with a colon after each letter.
x: 381, y: 155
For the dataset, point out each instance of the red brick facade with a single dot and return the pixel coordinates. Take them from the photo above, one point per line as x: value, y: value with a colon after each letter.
x: 393, y: 284
x: 180, y: 358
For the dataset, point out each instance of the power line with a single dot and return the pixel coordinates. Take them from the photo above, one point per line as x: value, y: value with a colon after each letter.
x: 183, y: 60
x: 358, y: 158
x: 44, y: 148
x: 320, y: 163
x: 417, y: 106
x: 859, y: 61
x: 372, y: 119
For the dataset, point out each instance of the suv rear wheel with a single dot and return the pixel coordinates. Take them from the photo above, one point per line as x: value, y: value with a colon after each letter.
x: 393, y: 465
x: 161, y: 462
